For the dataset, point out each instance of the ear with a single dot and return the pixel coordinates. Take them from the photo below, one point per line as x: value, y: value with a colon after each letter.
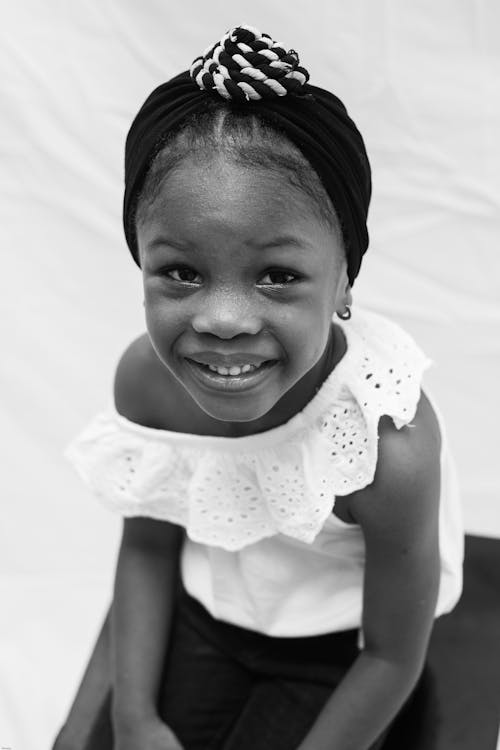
x: 345, y: 297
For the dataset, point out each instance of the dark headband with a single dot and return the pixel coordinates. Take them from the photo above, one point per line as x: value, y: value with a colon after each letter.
x: 253, y: 74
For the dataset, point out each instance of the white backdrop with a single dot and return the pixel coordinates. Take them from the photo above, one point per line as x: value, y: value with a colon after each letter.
x: 421, y: 81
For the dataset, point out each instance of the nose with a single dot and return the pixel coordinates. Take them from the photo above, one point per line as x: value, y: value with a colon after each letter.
x: 226, y: 314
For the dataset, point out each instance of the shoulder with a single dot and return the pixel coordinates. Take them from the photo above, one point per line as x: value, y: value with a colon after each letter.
x: 404, y: 496
x: 410, y: 455
x: 139, y: 377
x: 139, y: 380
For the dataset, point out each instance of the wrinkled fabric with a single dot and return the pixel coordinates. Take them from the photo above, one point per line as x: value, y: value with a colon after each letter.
x: 317, y: 123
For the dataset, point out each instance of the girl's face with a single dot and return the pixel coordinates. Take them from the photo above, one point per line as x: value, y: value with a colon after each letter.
x: 238, y: 270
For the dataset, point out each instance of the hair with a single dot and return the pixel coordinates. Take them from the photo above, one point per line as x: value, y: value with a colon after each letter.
x: 248, y: 141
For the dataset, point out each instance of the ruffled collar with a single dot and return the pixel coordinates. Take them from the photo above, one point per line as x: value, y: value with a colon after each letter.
x: 234, y: 491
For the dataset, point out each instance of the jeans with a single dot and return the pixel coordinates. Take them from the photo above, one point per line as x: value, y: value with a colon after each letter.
x: 228, y: 688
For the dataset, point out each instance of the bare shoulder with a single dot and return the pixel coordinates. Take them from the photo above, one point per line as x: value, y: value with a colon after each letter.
x: 407, y: 454
x: 404, y: 495
x: 141, y: 383
x: 140, y: 378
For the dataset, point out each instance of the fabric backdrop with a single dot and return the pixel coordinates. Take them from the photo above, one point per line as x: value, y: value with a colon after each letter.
x: 420, y: 80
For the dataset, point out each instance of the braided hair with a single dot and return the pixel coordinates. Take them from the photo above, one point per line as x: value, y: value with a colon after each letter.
x: 246, y: 141
x: 251, y: 90
x: 246, y: 64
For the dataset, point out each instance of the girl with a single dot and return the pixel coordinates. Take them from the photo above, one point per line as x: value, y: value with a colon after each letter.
x: 291, y: 524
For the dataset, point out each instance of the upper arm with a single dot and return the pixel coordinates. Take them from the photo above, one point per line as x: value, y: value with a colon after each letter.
x: 134, y: 385
x: 399, y: 516
x: 132, y: 379
x: 152, y: 536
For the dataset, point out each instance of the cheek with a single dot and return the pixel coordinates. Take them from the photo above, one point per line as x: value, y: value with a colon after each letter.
x: 162, y: 319
x: 305, y: 332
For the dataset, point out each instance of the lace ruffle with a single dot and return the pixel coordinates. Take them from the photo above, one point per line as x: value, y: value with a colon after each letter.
x: 232, y: 492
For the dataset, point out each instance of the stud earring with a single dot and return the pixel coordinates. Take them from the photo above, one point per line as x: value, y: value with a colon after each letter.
x: 346, y: 314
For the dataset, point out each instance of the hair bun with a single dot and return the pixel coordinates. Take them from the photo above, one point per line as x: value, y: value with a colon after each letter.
x: 246, y: 64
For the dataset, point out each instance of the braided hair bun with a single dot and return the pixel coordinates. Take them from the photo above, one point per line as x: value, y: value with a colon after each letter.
x: 247, y: 72
x: 246, y: 64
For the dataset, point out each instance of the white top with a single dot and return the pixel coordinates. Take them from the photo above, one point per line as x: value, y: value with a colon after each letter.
x: 262, y: 548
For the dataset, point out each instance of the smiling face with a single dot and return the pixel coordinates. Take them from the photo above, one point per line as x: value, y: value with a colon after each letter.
x: 238, y: 269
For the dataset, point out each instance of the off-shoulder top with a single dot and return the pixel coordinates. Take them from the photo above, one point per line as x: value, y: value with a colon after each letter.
x: 262, y: 548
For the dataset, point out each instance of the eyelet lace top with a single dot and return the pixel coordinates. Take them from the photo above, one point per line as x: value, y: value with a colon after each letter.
x: 233, y: 492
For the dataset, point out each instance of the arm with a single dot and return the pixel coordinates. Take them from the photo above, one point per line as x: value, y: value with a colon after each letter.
x: 144, y: 592
x: 145, y: 582
x: 399, y: 517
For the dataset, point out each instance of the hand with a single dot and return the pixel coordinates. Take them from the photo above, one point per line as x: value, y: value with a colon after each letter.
x: 152, y: 734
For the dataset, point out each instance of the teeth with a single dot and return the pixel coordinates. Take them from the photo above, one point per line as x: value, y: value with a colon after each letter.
x: 233, y: 370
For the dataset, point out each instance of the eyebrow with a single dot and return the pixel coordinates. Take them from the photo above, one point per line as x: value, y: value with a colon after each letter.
x: 162, y: 241
x: 286, y: 239
x: 279, y: 241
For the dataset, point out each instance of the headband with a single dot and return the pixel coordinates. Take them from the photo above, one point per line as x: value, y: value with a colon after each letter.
x: 250, y: 73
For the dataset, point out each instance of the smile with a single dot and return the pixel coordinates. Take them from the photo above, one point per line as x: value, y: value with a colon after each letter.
x: 231, y: 379
x: 234, y: 370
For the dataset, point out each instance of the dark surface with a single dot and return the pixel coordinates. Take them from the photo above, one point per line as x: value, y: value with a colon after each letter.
x: 458, y: 704
x: 455, y: 707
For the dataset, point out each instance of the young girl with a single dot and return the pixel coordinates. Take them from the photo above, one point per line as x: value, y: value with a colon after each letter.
x: 291, y: 522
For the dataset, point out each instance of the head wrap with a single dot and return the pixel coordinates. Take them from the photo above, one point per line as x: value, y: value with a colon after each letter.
x: 252, y: 73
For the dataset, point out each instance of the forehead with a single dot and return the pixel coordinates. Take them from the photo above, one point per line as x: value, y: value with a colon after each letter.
x: 217, y: 191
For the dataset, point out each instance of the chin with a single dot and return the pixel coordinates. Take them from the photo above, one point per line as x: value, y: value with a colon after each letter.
x: 227, y: 412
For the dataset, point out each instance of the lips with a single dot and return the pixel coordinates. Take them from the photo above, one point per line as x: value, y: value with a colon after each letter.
x: 238, y: 359
x: 214, y: 381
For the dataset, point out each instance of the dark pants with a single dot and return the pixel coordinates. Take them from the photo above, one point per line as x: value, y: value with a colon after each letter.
x: 228, y: 688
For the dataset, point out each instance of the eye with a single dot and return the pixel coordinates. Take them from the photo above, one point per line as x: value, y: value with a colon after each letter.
x: 182, y: 271
x: 185, y: 275
x: 279, y: 272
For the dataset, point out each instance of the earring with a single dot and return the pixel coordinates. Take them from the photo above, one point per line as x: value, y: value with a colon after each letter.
x: 346, y: 314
